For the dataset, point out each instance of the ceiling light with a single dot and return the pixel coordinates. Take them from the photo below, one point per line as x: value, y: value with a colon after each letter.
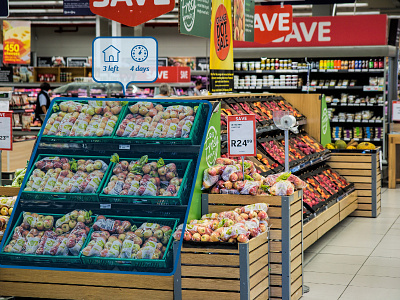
x: 377, y: 12
x: 308, y: 14
x: 351, y: 5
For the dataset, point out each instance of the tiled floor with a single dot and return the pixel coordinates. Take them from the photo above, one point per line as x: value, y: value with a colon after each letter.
x: 359, y: 258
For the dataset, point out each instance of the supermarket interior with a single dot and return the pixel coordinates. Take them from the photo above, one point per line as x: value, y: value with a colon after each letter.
x: 230, y: 149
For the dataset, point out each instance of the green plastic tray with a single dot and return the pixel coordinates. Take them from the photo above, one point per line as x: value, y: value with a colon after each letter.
x: 81, y: 139
x: 183, y: 167
x: 129, y: 262
x: 195, y: 132
x: 33, y: 258
x: 85, y: 197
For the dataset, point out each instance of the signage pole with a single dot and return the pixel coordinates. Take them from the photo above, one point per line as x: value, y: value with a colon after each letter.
x: 286, y: 150
x: 243, y: 166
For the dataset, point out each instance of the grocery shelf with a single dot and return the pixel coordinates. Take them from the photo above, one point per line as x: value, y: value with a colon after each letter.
x: 348, y: 71
x: 358, y: 121
x: 277, y: 87
x: 355, y: 104
x: 270, y: 72
x: 358, y: 139
x: 273, y: 127
x: 365, y: 88
x: 30, y: 84
x: 310, y: 163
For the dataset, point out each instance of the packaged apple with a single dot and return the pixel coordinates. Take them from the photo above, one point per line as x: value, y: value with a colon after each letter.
x: 282, y: 188
x: 72, y: 218
x: 31, y: 245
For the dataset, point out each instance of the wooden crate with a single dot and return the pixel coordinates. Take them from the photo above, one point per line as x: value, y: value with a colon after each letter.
x: 363, y: 169
x: 285, y: 253
x: 321, y: 224
x: 9, y: 191
x: 225, y: 272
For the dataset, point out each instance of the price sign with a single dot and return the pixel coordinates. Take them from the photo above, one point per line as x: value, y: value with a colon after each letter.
x: 242, y: 135
x: 5, y: 131
x: 396, y: 111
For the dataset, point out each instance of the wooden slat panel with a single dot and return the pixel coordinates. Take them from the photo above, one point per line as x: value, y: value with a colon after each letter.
x: 242, y: 200
x: 359, y: 179
x: 296, y: 273
x: 295, y: 263
x: 298, y: 294
x: 295, y: 241
x: 255, y: 243
x: 296, y: 207
x: 211, y: 260
x: 276, y: 257
x: 297, y: 284
x: 359, y: 166
x: 310, y: 239
x: 82, y: 278
x: 328, y: 214
x: 258, y: 265
x: 9, y: 191
x: 309, y: 227
x: 295, y: 218
x: 208, y: 250
x: 347, y: 200
x: 327, y: 226
x: 295, y: 229
x: 217, y: 272
x: 275, y: 234
x: 263, y: 296
x: 350, y: 158
x: 364, y: 200
x: 258, y: 289
x: 258, y: 253
x: 201, y: 295
x: 362, y: 213
x: 364, y: 193
x: 348, y: 210
x: 362, y: 186
x: 275, y: 223
x: 211, y: 284
x: 362, y: 206
x: 258, y: 277
x: 352, y: 172
x: 57, y: 291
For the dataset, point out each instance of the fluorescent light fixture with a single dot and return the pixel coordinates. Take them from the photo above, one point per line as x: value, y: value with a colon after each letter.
x: 308, y: 14
x: 372, y: 12
x: 351, y: 5
x: 36, y: 11
x: 35, y: 3
x: 296, y: 7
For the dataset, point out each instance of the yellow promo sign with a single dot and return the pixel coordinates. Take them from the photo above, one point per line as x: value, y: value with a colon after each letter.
x: 16, y: 42
x: 221, y: 48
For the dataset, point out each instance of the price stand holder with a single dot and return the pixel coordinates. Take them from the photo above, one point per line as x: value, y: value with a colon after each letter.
x: 5, y: 133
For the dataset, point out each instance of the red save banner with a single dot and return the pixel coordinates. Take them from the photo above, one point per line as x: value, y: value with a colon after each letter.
x: 367, y: 30
x: 131, y: 12
x: 173, y: 74
x: 272, y: 22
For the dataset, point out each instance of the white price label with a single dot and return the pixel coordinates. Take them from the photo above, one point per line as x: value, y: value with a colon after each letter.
x: 5, y: 131
x: 242, y: 135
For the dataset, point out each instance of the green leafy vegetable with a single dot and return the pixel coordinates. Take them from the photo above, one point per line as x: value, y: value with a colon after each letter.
x: 248, y: 177
x: 265, y: 188
x: 160, y: 163
x: 115, y: 158
x: 284, y: 176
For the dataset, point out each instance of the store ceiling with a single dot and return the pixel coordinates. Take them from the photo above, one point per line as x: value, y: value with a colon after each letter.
x: 51, y: 11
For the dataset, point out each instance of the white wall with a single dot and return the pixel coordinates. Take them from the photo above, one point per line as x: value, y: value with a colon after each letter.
x: 46, y: 42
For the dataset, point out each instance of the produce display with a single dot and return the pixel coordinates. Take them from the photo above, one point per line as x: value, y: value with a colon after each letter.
x: 238, y: 225
x: 7, y: 206
x: 144, y: 178
x: 150, y: 120
x: 352, y: 145
x: 96, y: 118
x: 226, y: 177
x: 122, y: 239
x: 19, y: 177
x: 66, y: 175
x: 35, y: 235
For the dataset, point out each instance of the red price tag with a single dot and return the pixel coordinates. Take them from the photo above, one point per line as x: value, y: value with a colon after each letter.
x: 242, y: 135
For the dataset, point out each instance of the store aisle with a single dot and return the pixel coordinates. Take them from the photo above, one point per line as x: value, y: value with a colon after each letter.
x: 359, y: 258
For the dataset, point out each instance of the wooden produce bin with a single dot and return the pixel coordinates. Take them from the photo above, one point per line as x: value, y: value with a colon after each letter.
x: 285, y: 252
x: 363, y: 169
x: 321, y: 224
x: 9, y: 191
x: 223, y: 271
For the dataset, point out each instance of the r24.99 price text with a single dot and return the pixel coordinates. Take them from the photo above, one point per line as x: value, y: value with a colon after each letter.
x: 241, y: 143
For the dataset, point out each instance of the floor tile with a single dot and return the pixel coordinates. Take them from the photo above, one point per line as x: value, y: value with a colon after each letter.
x: 336, y: 268
x: 323, y: 258
x: 326, y: 278
x: 381, y: 271
x: 368, y: 293
x: 354, y: 240
x: 384, y: 252
x: 376, y: 282
x: 308, y: 256
x: 346, y: 250
x: 390, y: 242
x: 383, y: 261
x: 319, y: 291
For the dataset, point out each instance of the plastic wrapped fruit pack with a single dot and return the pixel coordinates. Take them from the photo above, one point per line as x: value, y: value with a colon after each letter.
x: 238, y: 225
x: 122, y: 239
x: 35, y: 235
x: 66, y: 175
x: 150, y: 120
x: 96, y: 118
x: 144, y: 178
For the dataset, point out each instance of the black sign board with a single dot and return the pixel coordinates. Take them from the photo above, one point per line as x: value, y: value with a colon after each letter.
x: 202, y: 63
x: 44, y: 61
x: 163, y: 61
x: 77, y: 8
x: 221, y: 81
x: 394, y: 32
x: 6, y: 74
x: 4, y: 9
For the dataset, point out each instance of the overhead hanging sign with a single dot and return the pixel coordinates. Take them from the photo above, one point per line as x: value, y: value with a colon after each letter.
x: 77, y: 8
x: 17, y: 42
x: 195, y: 17
x: 243, y: 17
x: 131, y: 12
x: 221, y: 47
x: 368, y: 30
x: 5, y: 131
x: 4, y: 12
x: 125, y: 60
x: 272, y: 22
x: 242, y: 135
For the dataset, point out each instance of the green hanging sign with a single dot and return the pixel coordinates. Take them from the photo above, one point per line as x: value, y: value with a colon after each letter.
x: 195, y: 17
x: 326, y: 137
x: 211, y: 151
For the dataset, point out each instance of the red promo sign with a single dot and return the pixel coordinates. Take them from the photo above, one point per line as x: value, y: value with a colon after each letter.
x: 173, y: 74
x: 131, y: 12
x: 222, y: 32
x: 6, y: 130
x: 272, y: 22
x: 242, y: 135
x: 331, y: 31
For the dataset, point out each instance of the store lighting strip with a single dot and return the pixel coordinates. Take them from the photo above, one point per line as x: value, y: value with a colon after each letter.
x: 372, y: 12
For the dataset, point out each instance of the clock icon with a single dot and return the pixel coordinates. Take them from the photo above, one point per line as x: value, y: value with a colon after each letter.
x: 139, y: 53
